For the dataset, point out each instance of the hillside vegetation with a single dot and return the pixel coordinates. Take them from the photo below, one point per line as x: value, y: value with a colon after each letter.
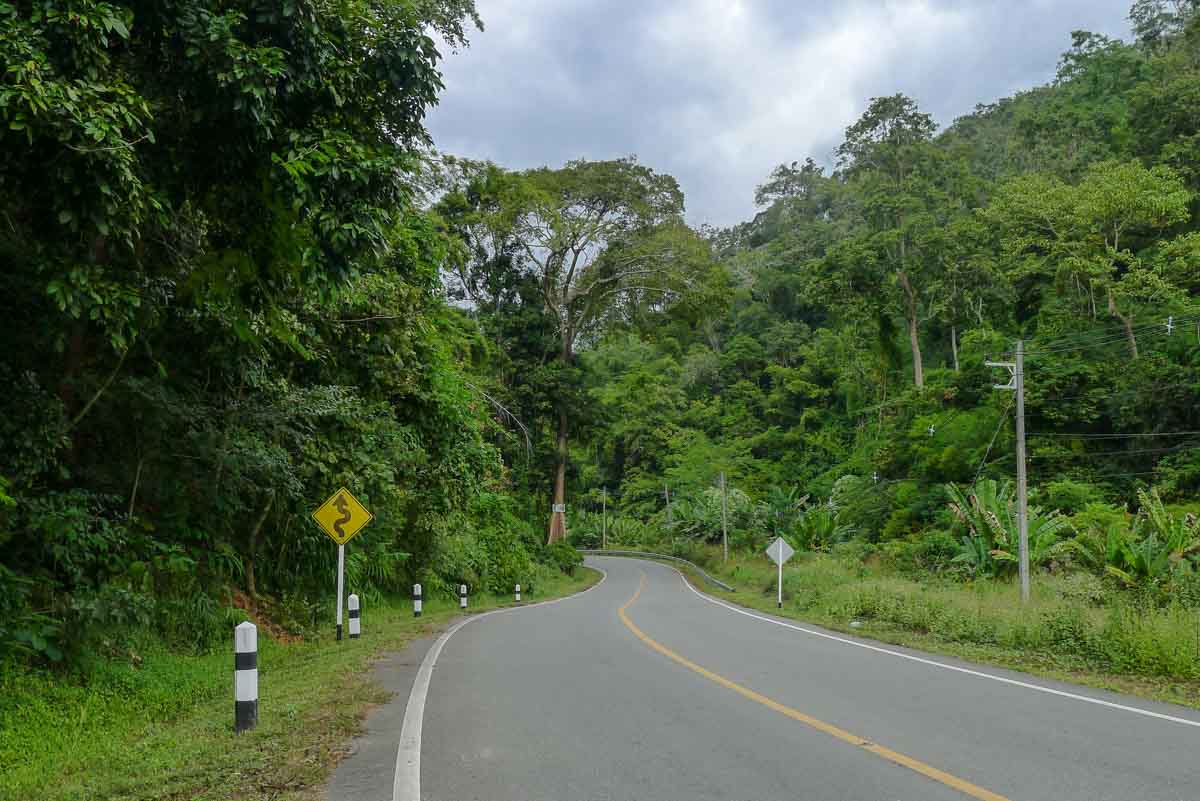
x: 828, y: 356
x: 242, y: 278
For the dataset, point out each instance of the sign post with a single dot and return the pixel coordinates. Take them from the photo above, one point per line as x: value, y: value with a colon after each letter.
x: 340, y: 589
x: 780, y: 552
x: 341, y: 517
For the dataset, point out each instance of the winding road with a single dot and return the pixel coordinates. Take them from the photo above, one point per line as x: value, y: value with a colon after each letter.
x: 645, y: 688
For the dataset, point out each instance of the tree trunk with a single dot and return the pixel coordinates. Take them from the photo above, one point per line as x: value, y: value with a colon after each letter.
x: 558, y: 517
x: 1127, y: 322
x: 914, y: 340
x: 252, y: 545
x: 954, y: 346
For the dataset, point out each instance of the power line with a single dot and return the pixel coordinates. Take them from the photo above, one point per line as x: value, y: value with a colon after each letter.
x: 1107, y: 330
x: 1106, y: 475
x: 1048, y: 397
x: 1135, y: 452
x: 1107, y: 336
x: 988, y: 452
x: 1129, y: 435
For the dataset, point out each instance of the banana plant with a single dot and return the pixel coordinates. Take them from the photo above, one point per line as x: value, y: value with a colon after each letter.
x: 1158, y: 542
x: 989, y: 514
x: 783, y: 506
x: 818, y: 529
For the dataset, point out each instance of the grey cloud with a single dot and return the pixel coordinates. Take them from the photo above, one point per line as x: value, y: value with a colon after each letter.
x: 716, y: 92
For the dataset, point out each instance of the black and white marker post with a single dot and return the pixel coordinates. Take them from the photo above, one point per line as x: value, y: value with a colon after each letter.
x: 416, y: 600
x: 352, y: 612
x: 518, y: 593
x: 462, y: 596
x: 245, y: 677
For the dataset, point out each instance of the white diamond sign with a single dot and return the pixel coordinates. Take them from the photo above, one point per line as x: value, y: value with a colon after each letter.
x: 780, y: 551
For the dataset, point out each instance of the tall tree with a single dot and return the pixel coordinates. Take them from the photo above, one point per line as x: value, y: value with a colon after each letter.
x: 891, y: 162
x: 601, y: 239
x: 1087, y: 236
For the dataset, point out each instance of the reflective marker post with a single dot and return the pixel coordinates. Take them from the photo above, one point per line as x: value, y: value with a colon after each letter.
x: 245, y: 677
x: 462, y: 596
x: 416, y: 600
x: 352, y: 612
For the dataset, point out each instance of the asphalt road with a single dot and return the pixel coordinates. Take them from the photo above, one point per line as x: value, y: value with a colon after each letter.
x: 643, y: 688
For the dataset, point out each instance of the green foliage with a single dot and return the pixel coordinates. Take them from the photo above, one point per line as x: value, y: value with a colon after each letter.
x: 818, y: 529
x: 564, y: 556
x: 228, y: 313
x: 225, y: 315
x: 1070, y: 496
x: 989, y: 546
x: 1149, y: 553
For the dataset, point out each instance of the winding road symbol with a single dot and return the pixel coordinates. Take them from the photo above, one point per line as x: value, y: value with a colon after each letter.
x: 343, y: 507
x: 342, y: 516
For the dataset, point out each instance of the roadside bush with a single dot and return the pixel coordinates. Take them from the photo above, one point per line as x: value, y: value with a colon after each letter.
x: 460, y: 560
x: 853, y: 552
x: 629, y: 531
x: 862, y: 504
x: 1070, y: 497
x: 563, y: 556
x: 932, y: 551
x: 508, y: 562
x: 1084, y: 589
x: 586, y: 531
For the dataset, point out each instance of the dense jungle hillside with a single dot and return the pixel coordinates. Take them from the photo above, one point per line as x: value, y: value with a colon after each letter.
x: 240, y: 276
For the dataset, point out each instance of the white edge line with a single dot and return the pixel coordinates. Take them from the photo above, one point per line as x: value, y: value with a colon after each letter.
x: 934, y: 663
x: 406, y: 786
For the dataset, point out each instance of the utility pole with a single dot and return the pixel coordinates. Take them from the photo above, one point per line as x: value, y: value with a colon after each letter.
x: 1017, y: 384
x: 1022, y: 489
x: 670, y: 522
x: 604, y: 518
x: 724, y: 521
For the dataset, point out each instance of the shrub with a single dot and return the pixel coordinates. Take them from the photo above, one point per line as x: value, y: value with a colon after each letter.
x: 562, y: 555
x: 932, y: 551
x: 1070, y: 497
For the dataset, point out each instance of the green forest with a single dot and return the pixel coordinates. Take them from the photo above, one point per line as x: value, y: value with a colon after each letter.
x: 241, y: 275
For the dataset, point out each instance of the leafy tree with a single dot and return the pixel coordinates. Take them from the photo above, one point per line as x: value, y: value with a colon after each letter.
x: 600, y: 239
x: 893, y: 165
x: 1080, y: 237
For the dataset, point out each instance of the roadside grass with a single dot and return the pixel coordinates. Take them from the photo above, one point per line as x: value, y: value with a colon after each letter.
x: 1071, y: 629
x: 164, y: 729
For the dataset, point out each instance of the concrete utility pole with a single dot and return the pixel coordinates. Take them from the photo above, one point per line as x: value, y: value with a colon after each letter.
x: 603, y: 518
x: 1022, y: 489
x: 667, y: 495
x: 724, y: 523
x: 1017, y: 384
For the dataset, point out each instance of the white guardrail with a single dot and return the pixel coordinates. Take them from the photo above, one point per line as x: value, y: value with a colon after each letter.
x: 648, y: 555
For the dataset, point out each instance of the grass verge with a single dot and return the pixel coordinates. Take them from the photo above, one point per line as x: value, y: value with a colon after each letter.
x: 163, y: 729
x: 1068, y: 631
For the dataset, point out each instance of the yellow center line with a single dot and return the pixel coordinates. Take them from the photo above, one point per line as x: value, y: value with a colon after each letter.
x: 962, y: 785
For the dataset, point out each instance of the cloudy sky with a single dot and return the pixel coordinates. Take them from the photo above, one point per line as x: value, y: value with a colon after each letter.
x: 717, y: 92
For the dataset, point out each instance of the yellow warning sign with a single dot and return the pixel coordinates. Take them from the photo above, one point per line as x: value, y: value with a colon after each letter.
x: 342, y: 516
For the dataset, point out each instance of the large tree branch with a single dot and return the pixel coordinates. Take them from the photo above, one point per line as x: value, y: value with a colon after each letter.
x: 103, y: 388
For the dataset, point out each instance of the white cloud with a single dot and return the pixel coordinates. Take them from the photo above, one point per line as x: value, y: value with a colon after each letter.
x: 717, y: 92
